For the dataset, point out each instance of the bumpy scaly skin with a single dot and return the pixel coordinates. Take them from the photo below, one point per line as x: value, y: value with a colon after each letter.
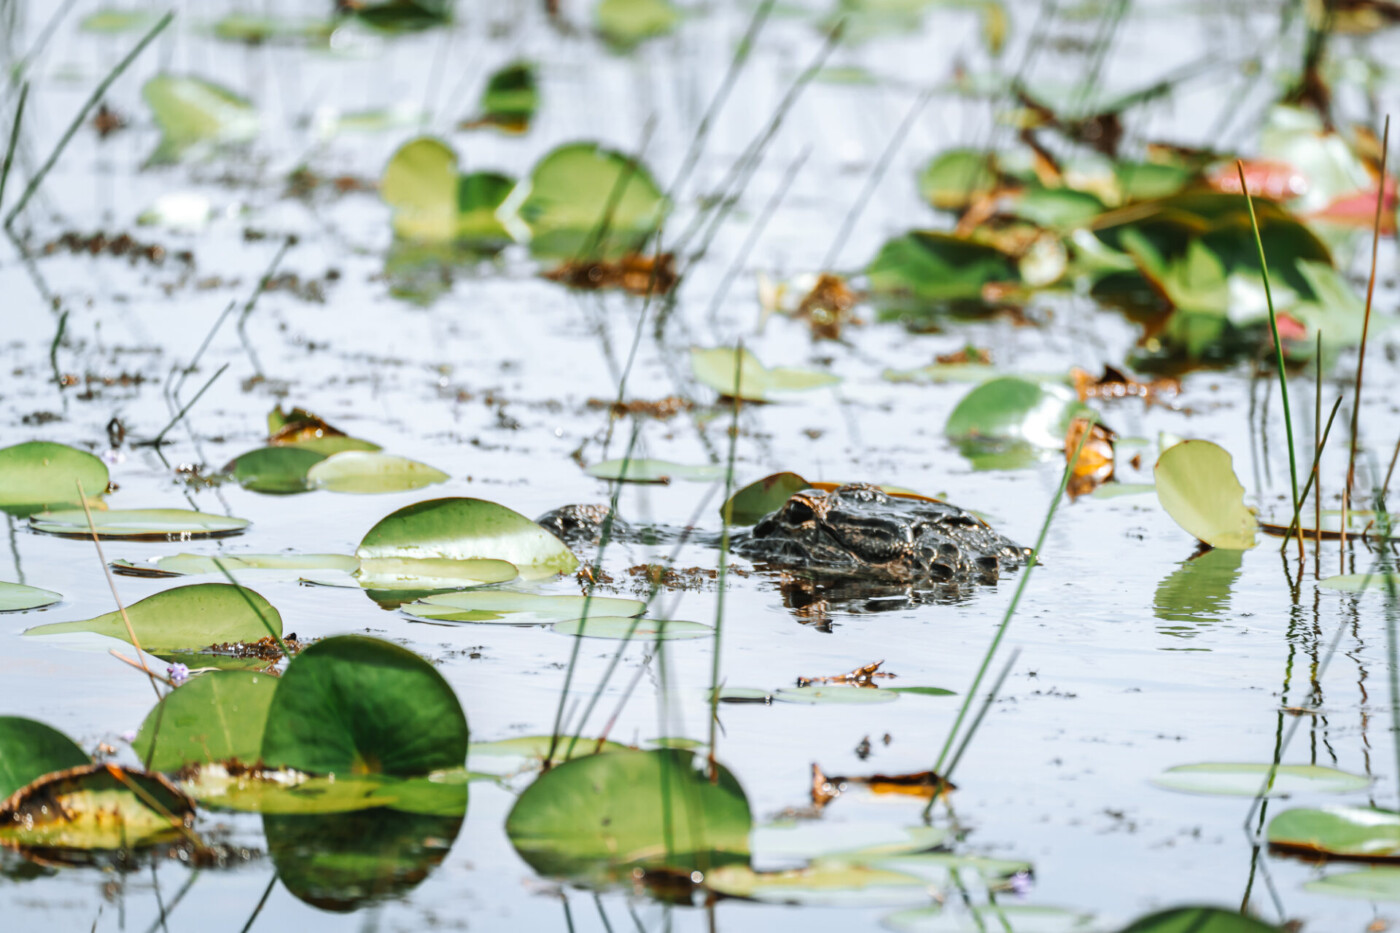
x: 857, y: 530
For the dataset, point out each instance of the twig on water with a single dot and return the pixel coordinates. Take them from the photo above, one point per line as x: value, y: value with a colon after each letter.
x: 73, y: 127
x: 1278, y: 353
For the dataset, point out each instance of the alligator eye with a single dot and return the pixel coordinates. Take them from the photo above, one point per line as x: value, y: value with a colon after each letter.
x: 800, y: 510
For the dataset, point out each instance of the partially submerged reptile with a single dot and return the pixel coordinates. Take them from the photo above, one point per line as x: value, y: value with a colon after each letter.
x: 853, y: 533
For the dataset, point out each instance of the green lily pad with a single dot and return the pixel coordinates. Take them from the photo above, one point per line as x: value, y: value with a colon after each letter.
x: 94, y: 808
x: 395, y: 17
x: 214, y: 717
x: 1199, y: 920
x: 654, y: 471
x: 511, y: 756
x: 414, y: 575
x: 1196, y: 484
x: 922, y: 691
x: 937, y: 373
x: 113, y: 20
x: 1371, y: 884
x: 510, y: 99
x: 839, y: 885
x: 1016, y: 410
x: 193, y: 113
x: 346, y: 861
x: 587, y: 202
x: 254, y: 29
x: 841, y: 696
x: 954, y: 179
x: 1114, y: 490
x: 292, y: 792
x: 744, y: 695
x: 1244, y: 779
x: 183, y: 564
x: 756, y: 382
x: 462, y: 529
x: 16, y: 597
x: 39, y: 475
x: 433, y: 203
x: 278, y: 470
x: 166, y: 524
x: 1359, y: 582
x: 602, y: 815
x: 625, y: 24
x: 1019, y: 918
x: 355, y: 705
x: 931, y: 267
x: 519, y: 608
x: 786, y: 840
x: 29, y: 750
x: 1342, y: 832
x: 750, y: 504
x: 362, y: 471
x: 626, y: 626
x: 184, y: 618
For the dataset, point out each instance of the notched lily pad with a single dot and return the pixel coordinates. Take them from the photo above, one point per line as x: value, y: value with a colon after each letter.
x: 364, y: 472
x: 278, y: 470
x: 184, y: 618
x: 586, y: 203
x: 193, y: 113
x: 1197, y: 486
x: 40, y: 475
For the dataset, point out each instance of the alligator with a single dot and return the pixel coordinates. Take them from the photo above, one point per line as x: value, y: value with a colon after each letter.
x: 853, y: 541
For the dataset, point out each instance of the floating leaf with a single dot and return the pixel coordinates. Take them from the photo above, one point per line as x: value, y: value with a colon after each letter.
x: 39, y: 475
x: 167, y: 524
x: 744, y: 695
x: 654, y: 471
x: 750, y: 504
x: 587, y: 202
x: 954, y: 179
x: 277, y: 470
x: 937, y: 267
x: 756, y: 383
x: 1245, y: 779
x: 937, y: 373
x: 840, y: 696
x: 111, y: 20
x: 215, y: 717
x: 1197, y: 486
x: 252, y: 791
x: 625, y: 626
x: 182, y: 564
x: 420, y: 185
x: 254, y: 29
x: 461, y: 529
x: 342, y: 862
x: 355, y: 705
x: 92, y: 808
x: 519, y: 608
x: 192, y: 112
x: 787, y: 840
x: 835, y: 885
x: 29, y: 750
x: 1343, y: 832
x: 362, y: 471
x: 922, y: 691
x: 627, y: 23
x: 1372, y: 884
x: 438, y: 573
x: 1012, y: 409
x: 510, y: 99
x: 401, y: 16
x: 16, y: 597
x: 1115, y: 489
x: 527, y: 752
x: 184, y: 618
x: 1199, y: 920
x: 1018, y: 918
x: 1359, y: 582
x: 604, y: 814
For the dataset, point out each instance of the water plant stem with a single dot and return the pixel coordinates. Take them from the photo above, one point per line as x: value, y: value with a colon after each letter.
x: 14, y: 140
x: 1317, y: 457
x: 1011, y: 608
x: 726, y: 519
x: 160, y: 437
x: 946, y: 778
x: 93, y: 100
x: 1278, y: 352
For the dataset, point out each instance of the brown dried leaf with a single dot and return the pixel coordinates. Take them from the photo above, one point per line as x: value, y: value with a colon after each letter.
x: 633, y: 273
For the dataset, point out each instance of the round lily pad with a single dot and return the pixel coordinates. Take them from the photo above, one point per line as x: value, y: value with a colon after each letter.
x: 751, y: 503
x: 356, y: 705
x: 363, y: 471
x: 30, y: 749
x: 587, y: 202
x: 1196, y: 484
x: 462, y: 529
x: 519, y: 608
x: 165, y: 524
x: 625, y: 626
x: 1342, y: 832
x: 1199, y: 920
x: 1014, y: 409
x: 40, y: 475
x: 214, y: 717
x: 276, y: 470
x: 184, y: 618
x: 16, y: 597
x: 1245, y: 779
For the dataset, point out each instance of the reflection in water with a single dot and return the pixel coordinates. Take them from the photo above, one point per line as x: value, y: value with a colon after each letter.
x: 343, y: 861
x: 1197, y: 592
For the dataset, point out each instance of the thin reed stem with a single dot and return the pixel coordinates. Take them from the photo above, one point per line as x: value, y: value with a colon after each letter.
x: 726, y: 519
x: 160, y: 438
x: 14, y: 140
x: 946, y: 778
x: 1278, y: 351
x: 1317, y: 457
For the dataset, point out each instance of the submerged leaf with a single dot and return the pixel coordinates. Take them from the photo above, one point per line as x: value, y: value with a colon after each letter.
x: 602, y: 815
x: 1019, y: 918
x: 1196, y: 484
x: 461, y: 529
x: 1372, y: 884
x: 432, y: 573
x: 39, y: 475
x: 354, y: 705
x: 183, y: 618
x: 821, y: 884
x: 834, y: 695
x: 215, y: 717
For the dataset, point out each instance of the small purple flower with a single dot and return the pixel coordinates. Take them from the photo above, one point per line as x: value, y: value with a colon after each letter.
x: 129, y: 736
x: 178, y: 673
x: 1020, y: 883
